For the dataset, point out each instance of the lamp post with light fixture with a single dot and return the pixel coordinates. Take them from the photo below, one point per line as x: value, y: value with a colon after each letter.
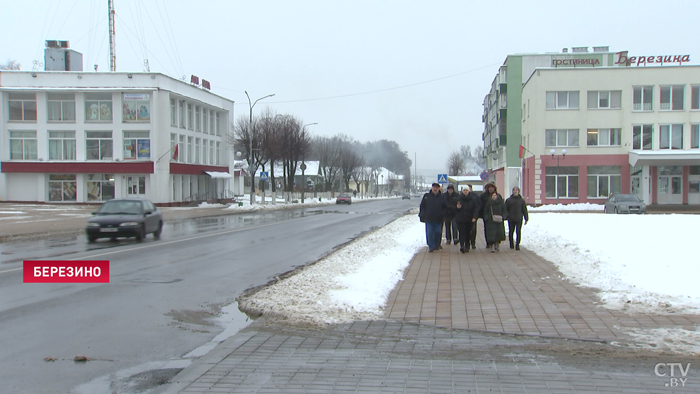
x: 553, y: 152
x: 250, y: 136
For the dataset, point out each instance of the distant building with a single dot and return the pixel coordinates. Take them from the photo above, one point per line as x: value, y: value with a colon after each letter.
x: 592, y: 124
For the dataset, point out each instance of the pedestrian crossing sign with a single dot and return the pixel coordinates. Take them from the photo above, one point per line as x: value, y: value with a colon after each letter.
x: 264, y: 175
x: 442, y: 178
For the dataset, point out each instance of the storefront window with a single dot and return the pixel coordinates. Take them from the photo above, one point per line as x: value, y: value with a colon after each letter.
x: 603, y: 181
x: 137, y: 145
x: 100, y: 187
x: 136, y: 107
x: 62, y: 187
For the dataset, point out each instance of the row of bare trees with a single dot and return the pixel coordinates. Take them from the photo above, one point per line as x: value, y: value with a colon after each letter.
x: 466, y: 161
x: 283, y: 138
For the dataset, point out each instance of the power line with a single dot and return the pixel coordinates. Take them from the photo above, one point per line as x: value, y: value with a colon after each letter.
x: 378, y: 90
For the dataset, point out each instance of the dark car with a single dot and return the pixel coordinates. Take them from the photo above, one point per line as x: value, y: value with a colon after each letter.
x: 130, y: 217
x: 406, y: 197
x: 343, y: 199
x: 625, y: 203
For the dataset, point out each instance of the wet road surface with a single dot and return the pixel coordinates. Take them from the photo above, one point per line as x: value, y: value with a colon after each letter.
x: 164, y: 295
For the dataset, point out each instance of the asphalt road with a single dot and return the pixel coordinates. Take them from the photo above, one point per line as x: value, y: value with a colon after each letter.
x: 163, y: 296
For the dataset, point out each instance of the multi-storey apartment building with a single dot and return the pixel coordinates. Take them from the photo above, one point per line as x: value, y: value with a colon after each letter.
x: 503, y: 105
x: 590, y: 132
x: 71, y: 136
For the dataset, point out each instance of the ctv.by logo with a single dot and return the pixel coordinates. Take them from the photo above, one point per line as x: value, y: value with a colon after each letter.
x: 669, y: 370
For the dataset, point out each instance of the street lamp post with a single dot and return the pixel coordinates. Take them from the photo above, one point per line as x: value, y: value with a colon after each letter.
x: 383, y: 188
x: 303, y: 163
x: 250, y: 136
x: 563, y: 156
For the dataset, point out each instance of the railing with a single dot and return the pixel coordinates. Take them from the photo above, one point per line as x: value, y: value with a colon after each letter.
x: 206, y: 196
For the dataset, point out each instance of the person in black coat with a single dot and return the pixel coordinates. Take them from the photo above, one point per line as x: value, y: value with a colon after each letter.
x: 432, y: 212
x: 517, y: 211
x: 451, y: 229
x: 477, y: 200
x: 467, y: 212
x: 489, y: 189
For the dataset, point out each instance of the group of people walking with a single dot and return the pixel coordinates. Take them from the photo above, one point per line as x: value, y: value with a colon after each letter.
x: 459, y: 213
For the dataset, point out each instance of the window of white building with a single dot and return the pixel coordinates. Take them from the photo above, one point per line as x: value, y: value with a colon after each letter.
x: 98, y: 107
x: 562, y: 100
x: 98, y: 145
x: 61, y: 145
x: 22, y: 106
x: 181, y: 149
x: 205, y: 120
x: 136, y: 107
x: 189, y: 150
x: 173, y: 112
x: 218, y: 147
x: 561, y: 137
x: 561, y: 182
x: 197, y: 143
x: 182, y: 114
x: 205, y: 145
x: 603, y: 137
x: 603, y: 180
x: 60, y: 107
x: 62, y: 187
x: 695, y: 97
x: 642, y: 98
x: 100, y: 187
x: 190, y: 117
x: 671, y: 136
x: 695, y: 136
x: 605, y: 99
x: 211, y: 152
x: 642, y: 136
x: 212, y: 121
x: 672, y: 98
x: 197, y: 118
x: 23, y: 145
x: 217, y: 128
x: 137, y: 145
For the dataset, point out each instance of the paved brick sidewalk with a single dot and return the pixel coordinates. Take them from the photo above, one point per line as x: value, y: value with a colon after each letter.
x: 510, y: 292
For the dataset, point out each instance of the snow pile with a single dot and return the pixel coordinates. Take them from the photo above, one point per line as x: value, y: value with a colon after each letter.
x: 567, y: 207
x: 675, y: 340
x: 637, y: 261
x: 353, y: 283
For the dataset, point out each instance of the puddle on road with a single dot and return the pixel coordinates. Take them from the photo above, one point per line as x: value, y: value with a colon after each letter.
x: 145, y: 378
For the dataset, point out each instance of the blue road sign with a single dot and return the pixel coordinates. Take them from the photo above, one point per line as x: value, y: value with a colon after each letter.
x: 484, y: 176
x: 264, y: 175
x: 442, y: 178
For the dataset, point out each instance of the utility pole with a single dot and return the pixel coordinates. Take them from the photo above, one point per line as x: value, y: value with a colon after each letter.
x: 112, y: 45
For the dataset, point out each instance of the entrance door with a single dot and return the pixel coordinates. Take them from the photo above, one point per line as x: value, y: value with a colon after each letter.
x: 694, y: 192
x: 136, y: 186
x: 670, y: 191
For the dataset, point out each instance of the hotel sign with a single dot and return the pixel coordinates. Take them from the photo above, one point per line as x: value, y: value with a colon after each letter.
x: 622, y: 58
x: 568, y: 61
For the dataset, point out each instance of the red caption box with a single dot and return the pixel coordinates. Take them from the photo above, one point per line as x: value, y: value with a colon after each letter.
x: 63, y: 271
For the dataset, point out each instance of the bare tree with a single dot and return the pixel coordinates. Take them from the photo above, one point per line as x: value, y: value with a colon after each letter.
x: 349, y: 160
x: 455, y: 163
x: 328, y: 152
x: 242, y: 136
x: 10, y: 65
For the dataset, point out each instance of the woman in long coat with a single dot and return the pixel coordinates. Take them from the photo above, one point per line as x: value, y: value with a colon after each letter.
x: 495, y: 230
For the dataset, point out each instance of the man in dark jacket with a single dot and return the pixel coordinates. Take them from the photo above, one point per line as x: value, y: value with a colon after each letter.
x: 517, y: 211
x: 467, y: 213
x: 432, y: 212
x: 451, y: 231
x: 477, y: 201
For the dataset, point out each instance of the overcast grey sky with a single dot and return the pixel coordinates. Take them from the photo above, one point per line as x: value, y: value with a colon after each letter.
x: 411, y: 71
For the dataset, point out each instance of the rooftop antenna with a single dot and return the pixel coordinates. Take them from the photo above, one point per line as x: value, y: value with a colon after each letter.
x: 112, y: 49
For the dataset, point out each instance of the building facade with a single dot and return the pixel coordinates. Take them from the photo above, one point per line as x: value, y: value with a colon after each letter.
x: 590, y: 132
x: 83, y: 137
x: 503, y: 105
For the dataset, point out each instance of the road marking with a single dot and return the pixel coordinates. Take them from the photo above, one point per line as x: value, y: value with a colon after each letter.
x: 168, y: 242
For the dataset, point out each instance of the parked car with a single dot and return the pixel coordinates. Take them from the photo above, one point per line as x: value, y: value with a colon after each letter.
x: 406, y: 197
x: 625, y: 203
x: 129, y: 217
x: 343, y: 199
